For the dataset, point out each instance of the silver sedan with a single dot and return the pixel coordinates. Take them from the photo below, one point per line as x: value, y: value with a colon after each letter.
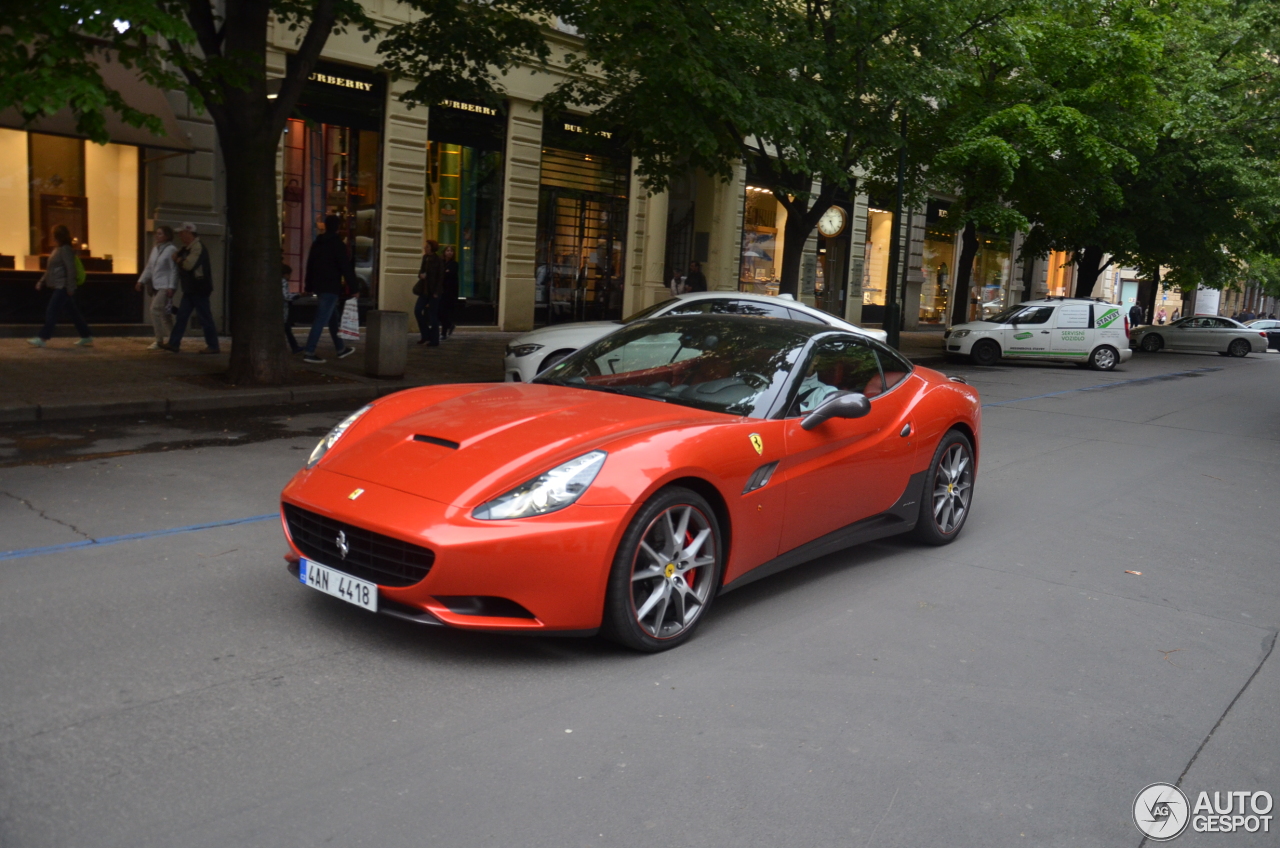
x: 1201, y: 334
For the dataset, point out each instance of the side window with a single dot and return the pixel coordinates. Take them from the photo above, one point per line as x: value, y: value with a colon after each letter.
x: 749, y: 307
x: 894, y: 368
x: 1222, y: 324
x: 797, y: 315
x: 1035, y: 315
x: 840, y: 365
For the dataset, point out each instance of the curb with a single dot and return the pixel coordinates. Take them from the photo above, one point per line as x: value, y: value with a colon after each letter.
x: 244, y: 398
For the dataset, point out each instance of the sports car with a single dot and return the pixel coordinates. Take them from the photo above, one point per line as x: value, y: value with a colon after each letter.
x: 631, y: 483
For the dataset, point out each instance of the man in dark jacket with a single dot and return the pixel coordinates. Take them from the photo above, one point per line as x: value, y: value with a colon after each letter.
x: 695, y: 280
x: 1135, y: 315
x: 330, y: 276
x: 195, y: 278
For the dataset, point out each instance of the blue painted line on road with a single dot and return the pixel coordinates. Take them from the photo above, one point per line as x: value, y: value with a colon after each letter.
x: 1103, y: 386
x: 132, y: 537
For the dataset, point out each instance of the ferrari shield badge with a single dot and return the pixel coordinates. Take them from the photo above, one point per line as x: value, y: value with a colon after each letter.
x: 357, y: 493
x: 757, y: 442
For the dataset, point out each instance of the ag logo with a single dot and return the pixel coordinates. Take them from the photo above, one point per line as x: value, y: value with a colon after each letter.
x: 1021, y: 336
x: 1106, y: 319
x: 757, y: 442
x: 1161, y: 812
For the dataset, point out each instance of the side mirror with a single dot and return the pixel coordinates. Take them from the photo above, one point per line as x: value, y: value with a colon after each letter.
x: 840, y: 405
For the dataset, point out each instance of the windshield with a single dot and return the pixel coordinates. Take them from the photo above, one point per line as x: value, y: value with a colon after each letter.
x: 646, y: 312
x: 1006, y: 316
x: 734, y: 365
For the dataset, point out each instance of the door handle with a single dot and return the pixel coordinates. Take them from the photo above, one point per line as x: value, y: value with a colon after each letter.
x: 1044, y: 332
x: 906, y: 431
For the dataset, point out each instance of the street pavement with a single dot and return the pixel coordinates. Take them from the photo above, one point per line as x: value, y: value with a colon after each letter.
x: 1018, y: 687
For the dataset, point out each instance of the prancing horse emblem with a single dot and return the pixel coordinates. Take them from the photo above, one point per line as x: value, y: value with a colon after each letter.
x: 757, y: 442
x: 341, y: 542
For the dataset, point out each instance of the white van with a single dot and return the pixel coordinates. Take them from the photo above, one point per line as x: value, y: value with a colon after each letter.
x: 1056, y: 329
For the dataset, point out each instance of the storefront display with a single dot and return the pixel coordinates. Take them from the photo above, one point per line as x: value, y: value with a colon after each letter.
x: 582, y: 224
x: 1060, y: 279
x: 938, y: 261
x: 463, y: 203
x: 332, y: 166
x: 875, y: 263
x: 764, y: 221
x: 991, y: 274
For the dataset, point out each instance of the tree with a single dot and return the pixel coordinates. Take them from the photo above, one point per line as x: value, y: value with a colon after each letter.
x: 219, y: 51
x: 809, y: 93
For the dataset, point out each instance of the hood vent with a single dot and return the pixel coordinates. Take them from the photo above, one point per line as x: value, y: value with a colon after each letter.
x: 432, y: 440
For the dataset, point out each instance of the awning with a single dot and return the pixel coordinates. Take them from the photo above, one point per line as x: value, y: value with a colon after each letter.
x: 137, y: 93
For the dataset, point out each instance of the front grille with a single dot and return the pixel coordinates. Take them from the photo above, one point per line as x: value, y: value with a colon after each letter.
x: 370, y: 556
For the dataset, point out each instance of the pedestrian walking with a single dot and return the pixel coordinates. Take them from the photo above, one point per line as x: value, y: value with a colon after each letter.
x: 330, y: 276
x: 1160, y: 316
x: 449, y: 291
x: 1177, y: 313
x: 695, y: 280
x: 159, y: 279
x: 286, y: 271
x: 195, y: 277
x: 429, y: 289
x: 62, y: 276
x: 1135, y: 315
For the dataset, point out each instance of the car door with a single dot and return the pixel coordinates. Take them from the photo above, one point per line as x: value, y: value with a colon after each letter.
x: 1221, y: 333
x: 1180, y: 335
x: 844, y: 470
x: 1028, y: 333
x: 1072, y: 335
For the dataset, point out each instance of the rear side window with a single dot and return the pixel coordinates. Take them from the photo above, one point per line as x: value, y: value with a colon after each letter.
x: 797, y: 315
x: 894, y: 368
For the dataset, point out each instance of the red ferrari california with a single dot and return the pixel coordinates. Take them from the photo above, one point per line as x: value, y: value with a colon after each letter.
x: 626, y: 487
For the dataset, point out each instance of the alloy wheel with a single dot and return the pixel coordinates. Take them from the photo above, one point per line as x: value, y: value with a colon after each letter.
x: 1239, y: 348
x: 672, y: 571
x: 952, y: 488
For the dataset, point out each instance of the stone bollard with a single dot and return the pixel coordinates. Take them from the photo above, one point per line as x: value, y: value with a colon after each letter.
x: 386, y: 349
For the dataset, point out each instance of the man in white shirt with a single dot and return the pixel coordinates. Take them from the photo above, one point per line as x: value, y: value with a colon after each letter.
x: 160, y: 278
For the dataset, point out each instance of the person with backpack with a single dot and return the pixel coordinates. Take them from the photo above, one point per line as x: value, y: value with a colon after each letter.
x: 62, y: 275
x: 195, y: 275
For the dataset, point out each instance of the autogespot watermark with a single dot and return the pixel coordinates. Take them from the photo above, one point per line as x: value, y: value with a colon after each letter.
x: 1162, y: 812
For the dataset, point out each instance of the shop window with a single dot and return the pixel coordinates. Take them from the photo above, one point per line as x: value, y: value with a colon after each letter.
x: 90, y: 189
x: 991, y: 275
x: 875, y: 263
x: 464, y: 209
x: 15, y: 225
x: 763, y: 223
x: 938, y: 262
x: 1060, y: 278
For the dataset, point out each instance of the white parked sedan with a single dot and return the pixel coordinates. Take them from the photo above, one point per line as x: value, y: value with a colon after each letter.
x: 532, y: 352
x: 1200, y: 333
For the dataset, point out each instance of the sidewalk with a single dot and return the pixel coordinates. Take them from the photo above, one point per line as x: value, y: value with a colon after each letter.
x: 119, y: 376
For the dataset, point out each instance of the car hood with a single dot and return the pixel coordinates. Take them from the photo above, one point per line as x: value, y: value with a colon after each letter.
x: 976, y: 326
x: 478, y: 444
x: 549, y: 336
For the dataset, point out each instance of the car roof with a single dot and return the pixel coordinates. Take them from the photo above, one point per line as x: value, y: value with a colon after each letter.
x: 808, y: 329
x: 785, y: 300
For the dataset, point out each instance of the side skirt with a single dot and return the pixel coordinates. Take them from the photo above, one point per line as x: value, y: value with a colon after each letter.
x: 900, y: 518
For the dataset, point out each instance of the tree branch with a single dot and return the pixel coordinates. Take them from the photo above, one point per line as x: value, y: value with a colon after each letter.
x: 322, y: 21
x: 200, y: 15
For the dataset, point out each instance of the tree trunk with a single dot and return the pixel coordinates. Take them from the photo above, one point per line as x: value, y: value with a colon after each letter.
x: 964, y: 271
x: 802, y: 218
x: 1087, y: 271
x: 1150, y: 305
x: 258, y: 355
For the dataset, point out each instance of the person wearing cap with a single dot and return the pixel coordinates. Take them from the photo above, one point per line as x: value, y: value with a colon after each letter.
x: 196, y: 278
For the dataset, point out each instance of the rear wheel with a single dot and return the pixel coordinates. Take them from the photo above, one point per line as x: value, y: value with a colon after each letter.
x: 1152, y: 342
x: 985, y: 352
x: 1104, y: 358
x: 948, y: 491
x: 1239, y: 348
x: 665, y: 573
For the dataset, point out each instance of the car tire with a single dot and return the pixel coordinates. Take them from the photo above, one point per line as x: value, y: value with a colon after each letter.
x: 1104, y: 358
x: 945, y: 486
x: 985, y: 352
x: 552, y: 358
x: 1239, y: 348
x: 647, y: 603
x: 1152, y: 342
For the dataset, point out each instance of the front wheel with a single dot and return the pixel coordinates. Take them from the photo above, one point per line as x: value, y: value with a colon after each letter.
x: 1239, y: 348
x: 665, y: 573
x: 948, y: 491
x: 985, y: 352
x: 1152, y: 342
x: 1104, y: 358
x: 553, y: 358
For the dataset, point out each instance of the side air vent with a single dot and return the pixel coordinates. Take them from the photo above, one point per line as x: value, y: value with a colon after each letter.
x: 432, y: 440
x: 760, y: 478
x: 958, y: 380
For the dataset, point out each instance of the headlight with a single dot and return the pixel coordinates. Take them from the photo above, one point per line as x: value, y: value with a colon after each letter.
x: 335, y: 434
x: 545, y: 493
x: 522, y: 350
x: 959, y: 334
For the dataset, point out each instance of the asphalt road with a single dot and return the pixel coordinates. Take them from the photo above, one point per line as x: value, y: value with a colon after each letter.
x: 1015, y: 688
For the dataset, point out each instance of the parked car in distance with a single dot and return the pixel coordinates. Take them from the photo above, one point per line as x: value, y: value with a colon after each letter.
x: 538, y: 350
x: 1272, y: 328
x: 1200, y: 334
x: 1055, y: 329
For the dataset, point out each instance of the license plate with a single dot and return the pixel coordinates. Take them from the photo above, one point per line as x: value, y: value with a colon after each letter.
x: 353, y: 590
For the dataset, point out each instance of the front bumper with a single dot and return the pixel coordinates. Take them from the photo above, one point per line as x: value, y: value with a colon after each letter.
x: 553, y: 566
